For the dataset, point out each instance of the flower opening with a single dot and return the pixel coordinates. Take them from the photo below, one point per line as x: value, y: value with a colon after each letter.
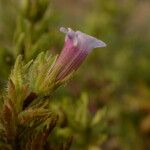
x: 77, y: 46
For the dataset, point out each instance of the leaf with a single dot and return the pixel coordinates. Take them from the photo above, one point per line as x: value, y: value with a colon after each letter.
x: 82, y: 114
x: 38, y: 124
x: 98, y: 117
x: 11, y: 91
x: 9, y: 119
x: 40, y: 79
x: 17, y: 73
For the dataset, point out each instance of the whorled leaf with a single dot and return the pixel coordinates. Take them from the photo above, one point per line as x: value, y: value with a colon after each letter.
x: 27, y: 117
x: 9, y: 121
x: 37, y: 124
x: 40, y: 79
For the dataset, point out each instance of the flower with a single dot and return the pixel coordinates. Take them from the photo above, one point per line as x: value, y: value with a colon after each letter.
x: 77, y: 46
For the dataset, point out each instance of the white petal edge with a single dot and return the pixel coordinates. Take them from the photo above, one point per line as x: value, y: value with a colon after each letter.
x: 63, y: 30
x: 69, y: 33
x: 90, y: 39
x: 83, y: 39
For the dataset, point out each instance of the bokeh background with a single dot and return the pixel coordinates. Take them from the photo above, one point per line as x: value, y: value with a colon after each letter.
x: 115, y: 78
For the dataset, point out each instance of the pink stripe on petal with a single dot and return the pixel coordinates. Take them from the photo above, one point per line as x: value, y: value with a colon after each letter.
x: 72, y: 65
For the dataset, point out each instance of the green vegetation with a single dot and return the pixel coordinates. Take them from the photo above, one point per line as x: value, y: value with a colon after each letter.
x: 106, y: 106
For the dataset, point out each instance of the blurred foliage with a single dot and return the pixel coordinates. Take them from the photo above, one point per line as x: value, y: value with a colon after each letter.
x: 116, y: 78
x: 78, y: 119
x: 26, y: 27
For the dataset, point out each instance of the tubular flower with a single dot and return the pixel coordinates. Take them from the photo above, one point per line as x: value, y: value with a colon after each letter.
x: 77, y: 46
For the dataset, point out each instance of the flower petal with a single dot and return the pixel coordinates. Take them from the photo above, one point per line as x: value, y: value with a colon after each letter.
x: 88, y: 42
x: 82, y: 40
x: 69, y: 34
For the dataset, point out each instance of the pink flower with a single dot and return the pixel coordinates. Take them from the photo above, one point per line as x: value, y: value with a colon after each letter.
x: 77, y: 46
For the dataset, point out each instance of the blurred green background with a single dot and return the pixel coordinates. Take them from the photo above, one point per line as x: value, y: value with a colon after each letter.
x: 116, y: 77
